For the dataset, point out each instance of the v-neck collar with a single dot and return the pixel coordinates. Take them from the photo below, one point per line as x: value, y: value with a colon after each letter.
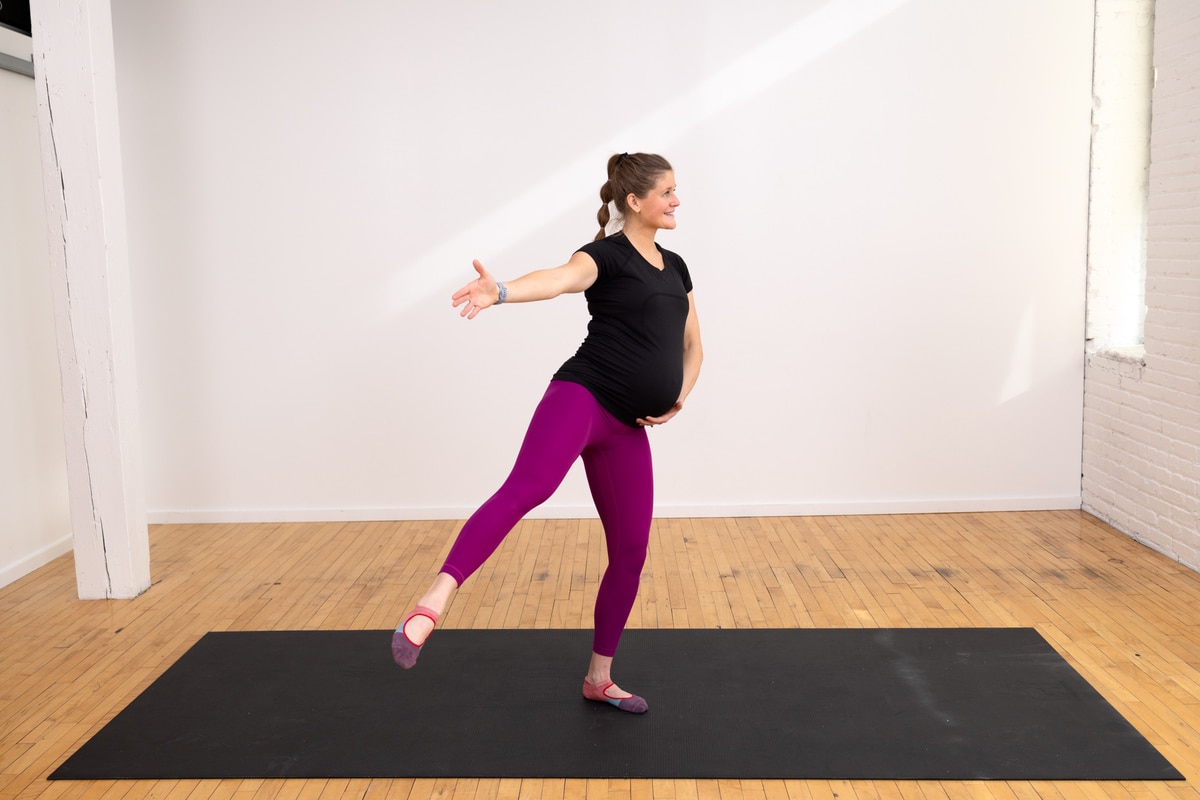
x: 645, y: 260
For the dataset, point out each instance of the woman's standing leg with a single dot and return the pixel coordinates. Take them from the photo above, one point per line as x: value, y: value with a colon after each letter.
x: 621, y: 477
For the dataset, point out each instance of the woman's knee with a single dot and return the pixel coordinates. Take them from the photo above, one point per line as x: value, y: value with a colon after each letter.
x: 628, y: 559
x: 526, y: 490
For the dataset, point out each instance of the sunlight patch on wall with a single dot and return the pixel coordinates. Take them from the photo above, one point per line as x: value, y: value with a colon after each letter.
x: 792, y: 49
x: 1019, y: 378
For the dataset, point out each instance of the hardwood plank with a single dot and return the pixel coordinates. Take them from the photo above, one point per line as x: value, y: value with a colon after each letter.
x: 1120, y: 613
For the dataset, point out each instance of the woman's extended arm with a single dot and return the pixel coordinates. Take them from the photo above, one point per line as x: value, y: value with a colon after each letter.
x: 574, y: 276
x: 693, y: 355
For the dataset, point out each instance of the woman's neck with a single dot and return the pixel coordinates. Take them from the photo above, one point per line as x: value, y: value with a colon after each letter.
x: 641, y: 236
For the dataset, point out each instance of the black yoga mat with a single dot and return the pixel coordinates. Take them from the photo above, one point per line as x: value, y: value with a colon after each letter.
x: 953, y: 704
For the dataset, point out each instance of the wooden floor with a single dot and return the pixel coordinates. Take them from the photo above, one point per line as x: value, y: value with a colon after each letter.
x: 1124, y: 616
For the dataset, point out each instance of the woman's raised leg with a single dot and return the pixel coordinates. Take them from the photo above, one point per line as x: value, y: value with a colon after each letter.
x: 561, y: 428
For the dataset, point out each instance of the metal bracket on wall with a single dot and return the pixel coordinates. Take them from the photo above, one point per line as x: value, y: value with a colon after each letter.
x: 14, y: 64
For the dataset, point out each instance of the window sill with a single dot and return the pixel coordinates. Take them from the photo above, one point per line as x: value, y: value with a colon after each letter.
x: 1135, y: 354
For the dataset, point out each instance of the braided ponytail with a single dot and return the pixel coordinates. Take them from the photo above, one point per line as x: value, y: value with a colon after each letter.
x: 603, y: 215
x: 628, y: 173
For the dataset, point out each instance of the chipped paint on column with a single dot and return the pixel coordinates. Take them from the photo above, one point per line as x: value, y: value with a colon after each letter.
x: 81, y: 163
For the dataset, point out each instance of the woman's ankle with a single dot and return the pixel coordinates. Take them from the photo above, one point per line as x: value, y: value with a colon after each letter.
x: 440, y: 593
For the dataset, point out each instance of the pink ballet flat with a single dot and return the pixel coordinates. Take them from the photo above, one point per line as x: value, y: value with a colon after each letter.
x: 404, y: 649
x: 634, y: 704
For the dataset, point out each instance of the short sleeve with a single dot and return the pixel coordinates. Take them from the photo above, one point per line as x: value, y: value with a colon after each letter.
x: 600, y: 251
x: 684, y: 275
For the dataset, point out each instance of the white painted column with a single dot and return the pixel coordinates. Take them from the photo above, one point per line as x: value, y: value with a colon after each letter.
x: 85, y: 214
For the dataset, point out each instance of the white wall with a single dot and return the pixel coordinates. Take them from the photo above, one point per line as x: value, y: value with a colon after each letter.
x: 884, y: 210
x: 35, y: 522
x: 1142, y: 415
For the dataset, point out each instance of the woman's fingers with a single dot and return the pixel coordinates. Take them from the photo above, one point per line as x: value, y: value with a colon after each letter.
x: 473, y: 293
x: 649, y: 422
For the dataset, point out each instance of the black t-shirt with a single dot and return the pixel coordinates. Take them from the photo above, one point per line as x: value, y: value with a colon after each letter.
x: 632, y: 358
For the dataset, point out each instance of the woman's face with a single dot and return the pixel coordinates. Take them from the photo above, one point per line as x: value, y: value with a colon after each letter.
x: 657, y: 208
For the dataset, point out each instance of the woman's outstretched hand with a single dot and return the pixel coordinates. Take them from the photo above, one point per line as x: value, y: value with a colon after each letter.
x: 478, y: 294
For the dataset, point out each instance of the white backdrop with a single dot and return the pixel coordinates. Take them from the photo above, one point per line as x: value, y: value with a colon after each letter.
x: 884, y: 212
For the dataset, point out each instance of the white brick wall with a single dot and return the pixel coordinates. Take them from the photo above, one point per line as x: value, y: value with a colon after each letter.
x: 1141, y: 452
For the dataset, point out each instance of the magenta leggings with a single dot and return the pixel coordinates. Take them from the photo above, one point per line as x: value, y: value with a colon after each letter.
x: 567, y: 424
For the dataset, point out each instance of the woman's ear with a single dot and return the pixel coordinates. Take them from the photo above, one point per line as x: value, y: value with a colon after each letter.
x: 632, y: 202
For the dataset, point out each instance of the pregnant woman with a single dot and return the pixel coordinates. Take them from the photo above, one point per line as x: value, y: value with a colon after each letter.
x: 636, y: 366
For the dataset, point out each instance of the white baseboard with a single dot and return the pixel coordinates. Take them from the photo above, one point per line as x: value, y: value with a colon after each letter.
x: 13, y: 572
x: 801, y: 509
